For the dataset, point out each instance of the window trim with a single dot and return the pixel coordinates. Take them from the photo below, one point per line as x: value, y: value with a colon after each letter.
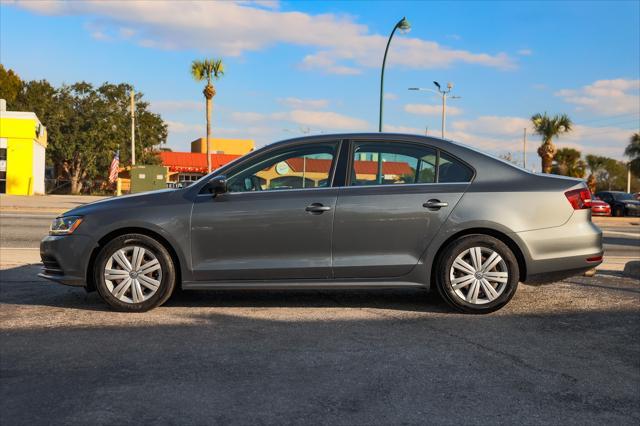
x: 354, y: 142
x: 277, y: 150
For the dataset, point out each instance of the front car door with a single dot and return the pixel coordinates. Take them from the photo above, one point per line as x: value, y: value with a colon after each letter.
x: 397, y: 196
x: 275, y: 222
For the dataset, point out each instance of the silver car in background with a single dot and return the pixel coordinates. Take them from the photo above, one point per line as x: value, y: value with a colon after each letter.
x: 334, y: 211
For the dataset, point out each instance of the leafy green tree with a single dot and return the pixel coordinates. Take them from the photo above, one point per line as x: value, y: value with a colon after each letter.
x: 610, y: 174
x: 633, y: 152
x: 208, y: 69
x: 85, y: 126
x: 568, y: 162
x: 10, y: 86
x: 550, y: 127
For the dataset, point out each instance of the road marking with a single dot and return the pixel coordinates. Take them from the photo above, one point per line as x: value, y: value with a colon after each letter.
x: 19, y: 216
x: 19, y: 248
x: 627, y: 234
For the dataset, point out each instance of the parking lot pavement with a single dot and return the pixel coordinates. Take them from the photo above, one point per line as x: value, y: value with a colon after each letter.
x: 567, y: 353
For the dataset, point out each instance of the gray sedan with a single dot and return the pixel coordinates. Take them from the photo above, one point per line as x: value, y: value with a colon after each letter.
x: 334, y: 211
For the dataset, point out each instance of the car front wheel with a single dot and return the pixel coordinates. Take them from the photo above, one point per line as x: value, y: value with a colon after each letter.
x: 477, y: 274
x: 134, y: 273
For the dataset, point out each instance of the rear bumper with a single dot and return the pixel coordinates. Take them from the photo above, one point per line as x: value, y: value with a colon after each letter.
x: 65, y: 258
x: 563, y: 250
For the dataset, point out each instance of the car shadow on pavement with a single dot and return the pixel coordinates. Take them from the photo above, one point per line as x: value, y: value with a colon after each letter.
x: 290, y: 367
x: 22, y: 286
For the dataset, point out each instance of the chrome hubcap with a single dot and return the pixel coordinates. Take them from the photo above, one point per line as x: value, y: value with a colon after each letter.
x: 133, y: 274
x: 478, y: 275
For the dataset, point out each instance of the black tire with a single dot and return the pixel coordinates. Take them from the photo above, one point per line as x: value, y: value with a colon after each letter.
x: 167, y: 268
x: 505, y: 291
x: 618, y: 212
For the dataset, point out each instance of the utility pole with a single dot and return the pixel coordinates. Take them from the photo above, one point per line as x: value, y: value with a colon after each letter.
x: 628, y: 177
x: 524, y: 149
x: 133, y: 133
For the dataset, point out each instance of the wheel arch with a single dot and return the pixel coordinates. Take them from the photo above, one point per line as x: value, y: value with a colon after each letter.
x: 91, y: 286
x: 510, y: 242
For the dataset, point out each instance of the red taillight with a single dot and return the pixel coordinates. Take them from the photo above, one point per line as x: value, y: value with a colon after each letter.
x: 579, y: 198
x: 594, y: 259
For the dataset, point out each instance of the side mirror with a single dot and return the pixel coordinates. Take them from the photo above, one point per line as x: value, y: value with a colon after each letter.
x: 217, y: 185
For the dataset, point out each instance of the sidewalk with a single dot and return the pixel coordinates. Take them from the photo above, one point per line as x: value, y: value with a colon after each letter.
x: 44, y: 203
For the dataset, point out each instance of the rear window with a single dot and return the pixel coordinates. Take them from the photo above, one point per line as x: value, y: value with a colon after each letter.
x: 452, y: 170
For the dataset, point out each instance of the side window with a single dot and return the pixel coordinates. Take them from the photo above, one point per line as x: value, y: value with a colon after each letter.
x: 391, y: 164
x: 452, y: 170
x: 293, y: 168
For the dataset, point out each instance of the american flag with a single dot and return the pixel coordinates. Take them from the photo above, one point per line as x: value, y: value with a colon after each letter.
x: 113, y: 168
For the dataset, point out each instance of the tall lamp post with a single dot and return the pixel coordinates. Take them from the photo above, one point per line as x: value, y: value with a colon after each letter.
x: 444, y: 94
x: 404, y: 26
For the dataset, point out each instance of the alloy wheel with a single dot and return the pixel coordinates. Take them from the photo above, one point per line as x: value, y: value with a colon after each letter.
x: 133, y: 274
x: 478, y: 275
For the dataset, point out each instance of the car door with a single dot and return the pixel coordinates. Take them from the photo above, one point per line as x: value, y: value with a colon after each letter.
x: 393, y: 204
x: 275, y: 221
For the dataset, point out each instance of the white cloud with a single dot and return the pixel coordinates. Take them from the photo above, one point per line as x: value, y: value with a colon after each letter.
x: 492, y: 125
x: 403, y: 129
x: 525, y: 52
x: 606, y: 97
x: 426, y: 109
x: 501, y: 134
x: 323, y: 120
x: 298, y: 103
x: 343, y: 45
x: 180, y: 127
x: 164, y: 106
x: 248, y: 117
x: 326, y: 120
x: 390, y: 96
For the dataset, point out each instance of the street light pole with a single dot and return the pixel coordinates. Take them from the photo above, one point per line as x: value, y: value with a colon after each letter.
x: 444, y: 112
x: 404, y: 26
x: 444, y: 94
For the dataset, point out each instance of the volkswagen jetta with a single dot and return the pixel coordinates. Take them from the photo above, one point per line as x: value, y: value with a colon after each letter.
x: 334, y: 211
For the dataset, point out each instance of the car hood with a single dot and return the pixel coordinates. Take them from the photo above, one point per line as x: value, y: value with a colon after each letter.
x: 123, y: 201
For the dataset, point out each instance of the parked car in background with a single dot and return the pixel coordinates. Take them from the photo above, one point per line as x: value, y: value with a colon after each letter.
x: 622, y: 203
x: 599, y: 207
x: 636, y: 195
x: 361, y: 211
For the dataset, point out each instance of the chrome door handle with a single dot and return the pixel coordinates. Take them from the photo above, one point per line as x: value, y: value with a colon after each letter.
x: 317, y: 208
x: 435, y: 204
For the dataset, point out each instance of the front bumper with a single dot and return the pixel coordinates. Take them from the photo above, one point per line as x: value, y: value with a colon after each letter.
x: 65, y: 258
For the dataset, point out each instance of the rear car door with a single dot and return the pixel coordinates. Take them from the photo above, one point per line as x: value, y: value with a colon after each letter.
x: 274, y: 223
x: 393, y: 204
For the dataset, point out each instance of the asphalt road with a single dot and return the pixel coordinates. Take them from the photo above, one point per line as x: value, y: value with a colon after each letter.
x: 567, y: 353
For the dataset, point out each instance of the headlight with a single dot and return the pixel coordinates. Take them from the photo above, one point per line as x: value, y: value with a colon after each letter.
x: 65, y: 225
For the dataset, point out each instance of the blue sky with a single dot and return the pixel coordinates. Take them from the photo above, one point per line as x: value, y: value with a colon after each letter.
x: 294, y: 67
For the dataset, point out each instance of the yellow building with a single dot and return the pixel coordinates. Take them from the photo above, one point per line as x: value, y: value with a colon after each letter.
x: 23, y: 140
x: 223, y: 146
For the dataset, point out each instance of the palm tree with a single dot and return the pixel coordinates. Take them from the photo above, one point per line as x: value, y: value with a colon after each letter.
x: 595, y: 163
x: 568, y: 162
x: 633, y: 151
x: 208, y: 69
x: 550, y: 127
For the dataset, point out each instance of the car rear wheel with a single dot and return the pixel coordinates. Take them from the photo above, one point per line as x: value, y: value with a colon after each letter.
x: 134, y: 273
x: 477, y: 274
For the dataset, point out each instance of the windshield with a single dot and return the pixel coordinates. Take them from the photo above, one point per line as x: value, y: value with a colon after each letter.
x: 622, y: 196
